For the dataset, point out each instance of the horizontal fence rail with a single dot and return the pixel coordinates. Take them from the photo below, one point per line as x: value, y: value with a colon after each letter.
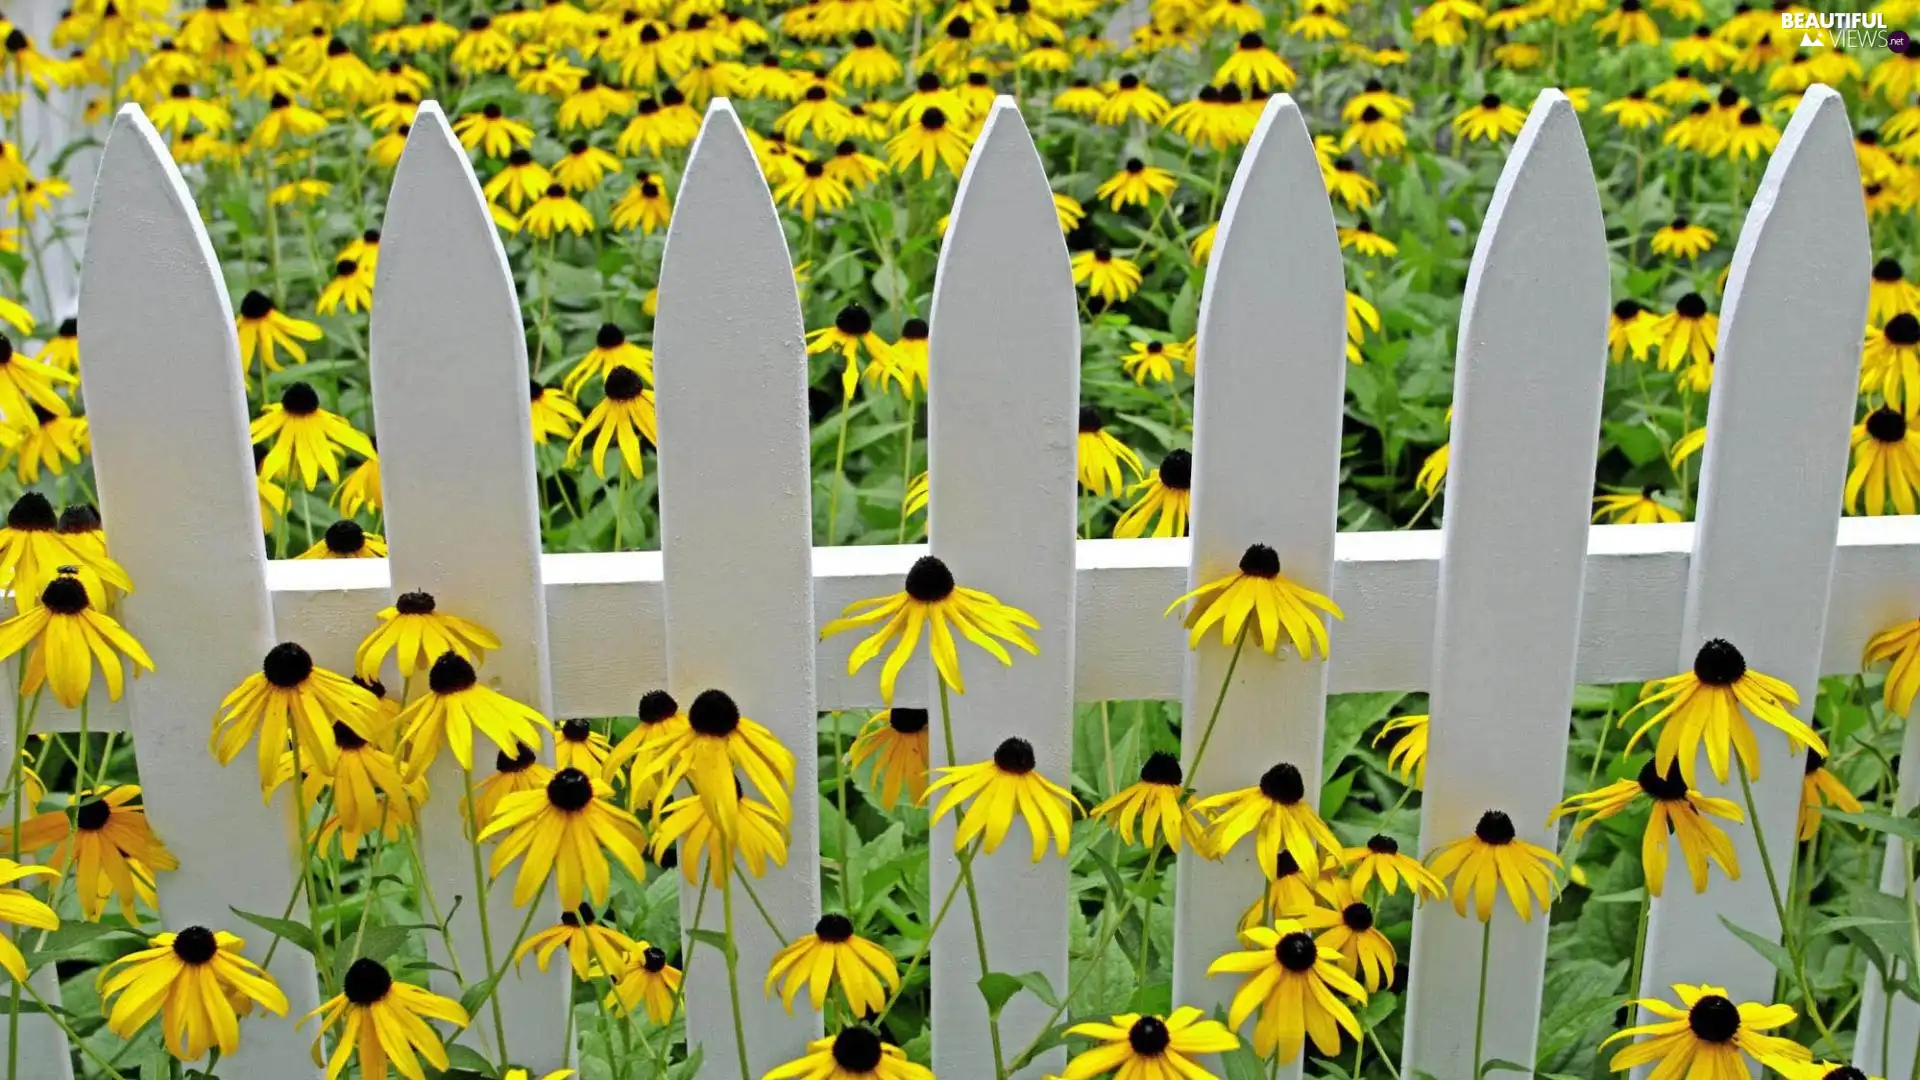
x: 1499, y: 614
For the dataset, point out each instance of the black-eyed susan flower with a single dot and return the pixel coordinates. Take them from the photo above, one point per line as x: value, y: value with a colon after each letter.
x: 455, y: 704
x: 555, y: 212
x: 553, y: 413
x: 933, y: 137
x: 1678, y: 811
x: 18, y: 907
x: 584, y: 166
x: 1709, y: 1036
x: 1288, y: 889
x: 346, y: 539
x: 383, y: 1023
x: 625, y: 415
x: 286, y: 118
x: 1752, y: 136
x: 1682, y: 239
x: 1109, y: 277
x: 645, y: 980
x: 579, y: 746
x: 67, y: 633
x: 416, y: 633
x: 1899, y: 644
x: 491, y: 132
x: 902, y: 365
x: 1259, y: 600
x: 853, y: 168
x: 1629, y: 330
x: 107, y: 841
x: 1635, y: 112
x: 565, y: 830
x: 1628, y: 24
x: 181, y: 108
x: 1493, y: 855
x: 856, y: 1053
x: 1156, y: 803
x: 660, y: 726
x: 192, y: 980
x: 644, y: 206
x: 1365, y: 952
x: 1278, y: 814
x: 519, y: 771
x: 1820, y: 788
x: 611, y: 350
x: 1081, y: 98
x: 1131, y: 98
x: 1149, y: 1046
x: 1709, y: 705
x: 1163, y: 500
x: 307, y: 190
x: 1688, y: 332
x: 520, y: 181
x: 1889, y: 293
x: 32, y: 550
x: 1375, y: 134
x: 1380, y: 859
x: 62, y: 350
x: 590, y: 103
x: 369, y: 794
x: 48, y: 442
x: 759, y: 839
x: 307, y: 439
x: 1255, y: 66
x: 1641, y: 507
x: 851, y: 334
x: 291, y: 696
x: 999, y: 786
x: 716, y: 741
x: 1345, y: 183
x: 350, y: 287
x: 1136, y: 184
x: 1885, y: 464
x: 25, y: 383
x: 1295, y: 985
x: 1407, y: 757
x: 1364, y: 241
x: 811, y: 189
x: 593, y: 947
x: 834, y: 955
x: 931, y: 601
x: 1102, y: 456
x: 1150, y: 360
x: 1890, y: 361
x: 895, y: 741
x: 1489, y: 120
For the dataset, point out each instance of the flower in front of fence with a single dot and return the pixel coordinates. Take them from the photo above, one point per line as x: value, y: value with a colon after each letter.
x: 266, y: 331
x: 895, y: 740
x: 1678, y: 812
x: 193, y: 980
x: 832, y: 954
x: 1821, y: 788
x: 1259, y: 600
x: 1708, y: 706
x: 644, y: 978
x: 1289, y: 888
x: 1156, y: 804
x: 1899, y: 644
x: 1493, y: 855
x: 369, y: 794
x: 415, y: 632
x: 717, y: 739
x: 1163, y: 499
x: 1886, y: 465
x: 931, y: 601
x: 579, y: 746
x: 1710, y: 1036
x: 375, y: 1011
x: 759, y: 838
x: 108, y: 842
x: 1136, y: 1045
x: 593, y: 947
x: 307, y: 439
x: 855, y: 1053
x: 1101, y: 455
x: 998, y: 787
x: 640, y: 751
x: 1296, y: 985
x: 624, y: 415
x: 1278, y: 808
x: 291, y: 695
x: 1346, y: 924
x: 566, y: 829
x: 67, y: 634
x: 18, y: 907
x: 1380, y: 859
x: 346, y: 539
x: 455, y: 705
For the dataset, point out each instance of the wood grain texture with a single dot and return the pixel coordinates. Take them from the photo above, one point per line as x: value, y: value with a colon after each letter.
x: 1527, y: 389
x: 736, y: 526
x: 449, y: 370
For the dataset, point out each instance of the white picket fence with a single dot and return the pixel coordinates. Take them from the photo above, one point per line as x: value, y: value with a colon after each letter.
x: 1498, y: 614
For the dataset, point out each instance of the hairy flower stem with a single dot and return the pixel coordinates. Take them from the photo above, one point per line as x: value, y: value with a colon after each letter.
x: 1480, y: 1008
x: 973, y: 893
x: 920, y: 954
x: 472, y: 829
x: 1789, y: 939
x: 732, y: 957
x: 1226, y: 681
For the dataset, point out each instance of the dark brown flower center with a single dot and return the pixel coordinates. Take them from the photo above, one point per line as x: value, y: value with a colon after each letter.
x: 1297, y: 952
x: 345, y: 537
x: 1260, y: 561
x: 1149, y: 1036
x: 929, y: 581
x: 346, y: 738
x: 414, y: 603
x: 520, y: 762
x: 833, y: 928
x: 1718, y: 663
x: 657, y: 705
x: 92, y: 815
x: 576, y: 731
x: 1671, y: 787
x: 1494, y: 827
x: 907, y: 721
x: 1886, y: 425
x: 1903, y: 329
x: 64, y: 595
x: 32, y: 513
x: 654, y: 959
x: 1014, y: 756
x: 1283, y: 784
x: 856, y: 1050
x: 1691, y: 306
x: 1714, y: 1019
x: 713, y: 713
x: 1358, y: 917
x: 1382, y: 844
x: 195, y: 945
x: 1161, y: 768
x: 451, y: 674
x: 1176, y: 470
x: 287, y: 665
x: 367, y: 982
x: 853, y: 320
x: 570, y: 790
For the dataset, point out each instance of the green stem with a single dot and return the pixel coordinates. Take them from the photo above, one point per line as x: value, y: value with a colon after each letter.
x: 1788, y: 938
x: 306, y: 866
x: 973, y: 893
x: 747, y: 884
x: 1480, y: 1009
x: 472, y: 828
x: 73, y: 1037
x: 839, y: 468
x: 920, y: 954
x: 1226, y: 681
x: 846, y: 848
x: 733, y: 979
x: 1639, y: 949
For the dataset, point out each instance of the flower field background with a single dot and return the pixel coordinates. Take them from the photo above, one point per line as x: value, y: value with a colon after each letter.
x: 288, y: 120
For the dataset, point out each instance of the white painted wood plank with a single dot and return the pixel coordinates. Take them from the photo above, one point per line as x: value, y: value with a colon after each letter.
x: 1271, y: 387
x: 449, y: 371
x: 1527, y: 382
x: 1003, y: 422
x: 157, y: 326
x: 736, y: 536
x: 1777, y: 431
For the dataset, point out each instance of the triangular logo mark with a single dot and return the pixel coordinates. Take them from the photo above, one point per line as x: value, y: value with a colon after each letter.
x: 1808, y: 41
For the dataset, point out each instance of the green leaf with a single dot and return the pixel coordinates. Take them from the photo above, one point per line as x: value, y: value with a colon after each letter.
x: 1772, y: 951
x: 75, y: 941
x: 1502, y: 1065
x: 716, y: 940
x: 1630, y: 896
x: 1333, y: 794
x: 998, y: 988
x: 1906, y: 828
x: 477, y: 994
x: 465, y: 1059
x: 299, y: 935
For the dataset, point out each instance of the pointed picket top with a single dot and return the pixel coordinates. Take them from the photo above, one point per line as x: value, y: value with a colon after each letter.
x: 1269, y: 387
x: 1778, y: 421
x: 1527, y: 393
x: 736, y: 525
x: 449, y: 375
x: 157, y: 327
x: 1002, y: 414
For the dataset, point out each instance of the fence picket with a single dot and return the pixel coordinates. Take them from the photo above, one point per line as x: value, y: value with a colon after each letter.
x: 177, y: 494
x: 1271, y: 380
x: 449, y: 371
x: 1527, y: 383
x: 736, y: 540
x: 1003, y: 412
x: 1777, y: 425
